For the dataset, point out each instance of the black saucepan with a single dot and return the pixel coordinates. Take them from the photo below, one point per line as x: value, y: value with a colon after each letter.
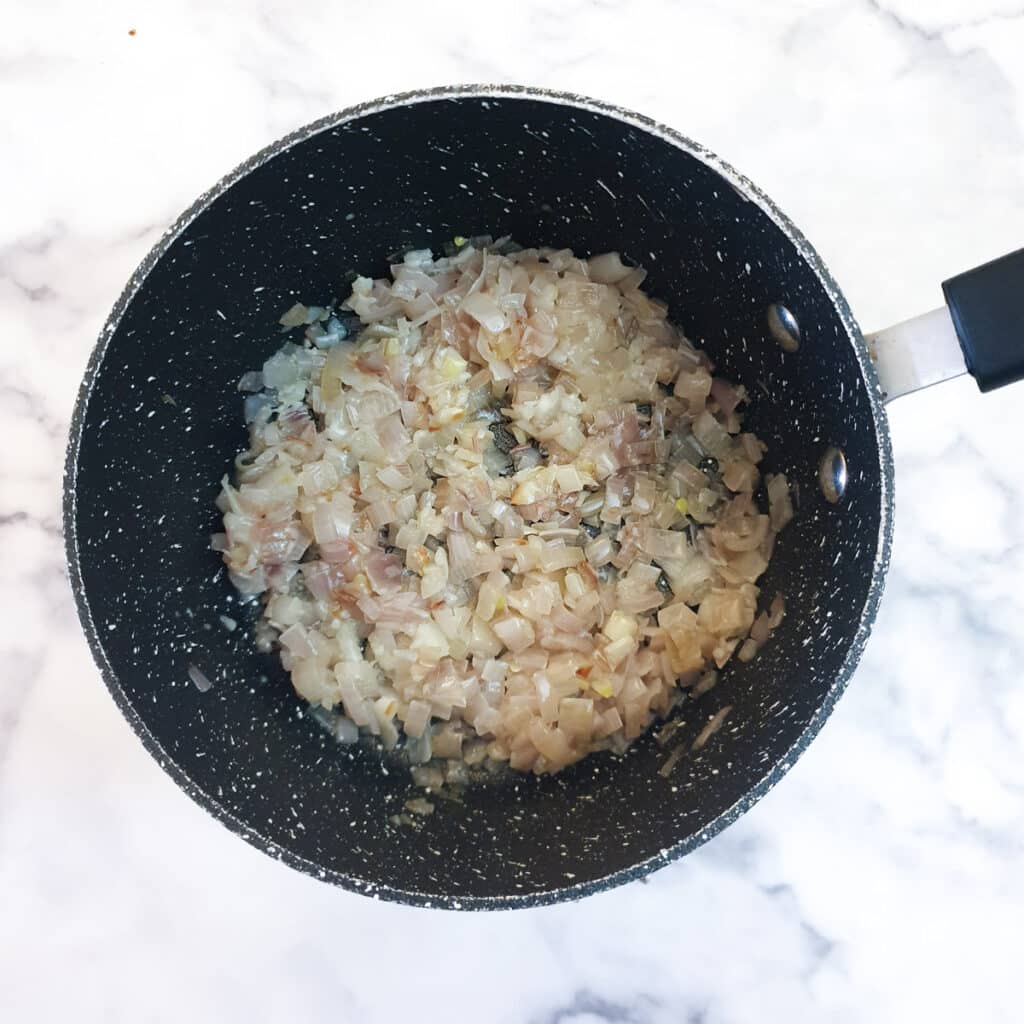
x: 159, y: 420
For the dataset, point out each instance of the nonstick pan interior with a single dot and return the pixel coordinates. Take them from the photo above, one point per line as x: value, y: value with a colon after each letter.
x: 159, y: 422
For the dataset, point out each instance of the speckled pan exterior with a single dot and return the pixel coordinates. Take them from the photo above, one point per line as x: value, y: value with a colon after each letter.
x: 158, y: 421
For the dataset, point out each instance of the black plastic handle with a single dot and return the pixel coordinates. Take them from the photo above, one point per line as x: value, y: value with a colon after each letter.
x: 987, y: 306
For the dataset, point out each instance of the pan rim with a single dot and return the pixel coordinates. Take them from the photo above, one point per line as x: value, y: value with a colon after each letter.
x: 781, y: 765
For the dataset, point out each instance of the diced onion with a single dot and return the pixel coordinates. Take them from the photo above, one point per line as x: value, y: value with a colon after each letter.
x: 780, y: 503
x: 199, y: 678
x: 509, y: 517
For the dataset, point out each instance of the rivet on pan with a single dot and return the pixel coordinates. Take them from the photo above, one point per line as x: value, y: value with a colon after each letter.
x: 784, y: 327
x: 832, y: 475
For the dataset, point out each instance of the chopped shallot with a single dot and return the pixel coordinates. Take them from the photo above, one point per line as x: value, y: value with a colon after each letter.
x: 513, y: 519
x: 199, y: 678
x: 780, y: 503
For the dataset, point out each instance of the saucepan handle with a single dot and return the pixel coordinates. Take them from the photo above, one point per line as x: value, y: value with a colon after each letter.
x: 979, y: 331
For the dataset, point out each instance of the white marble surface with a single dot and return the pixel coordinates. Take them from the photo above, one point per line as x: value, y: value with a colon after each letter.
x: 882, y: 880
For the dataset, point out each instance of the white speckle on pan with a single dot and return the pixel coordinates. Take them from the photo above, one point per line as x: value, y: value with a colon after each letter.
x: 221, y: 315
x: 607, y: 189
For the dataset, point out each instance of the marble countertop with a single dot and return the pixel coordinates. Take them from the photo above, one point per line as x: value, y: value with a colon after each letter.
x: 881, y: 881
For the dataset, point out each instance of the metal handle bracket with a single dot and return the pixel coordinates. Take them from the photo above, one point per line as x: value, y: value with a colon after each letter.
x: 917, y: 353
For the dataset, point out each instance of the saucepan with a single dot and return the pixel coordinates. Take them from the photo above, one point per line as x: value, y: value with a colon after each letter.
x: 158, y: 420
